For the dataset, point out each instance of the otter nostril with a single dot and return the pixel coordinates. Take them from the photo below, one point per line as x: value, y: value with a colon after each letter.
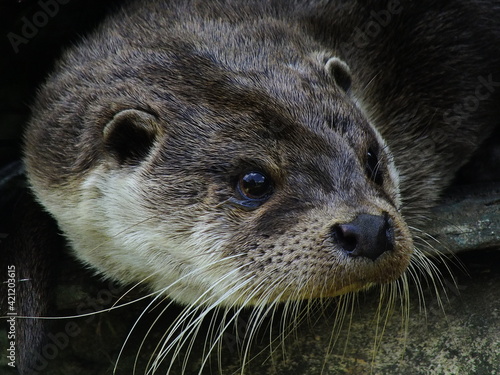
x: 366, y: 236
x: 345, y: 236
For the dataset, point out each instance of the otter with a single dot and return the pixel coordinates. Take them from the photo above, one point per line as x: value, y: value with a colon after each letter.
x: 248, y: 153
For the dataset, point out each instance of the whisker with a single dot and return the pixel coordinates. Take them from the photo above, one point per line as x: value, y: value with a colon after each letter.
x: 179, y: 338
x: 158, y: 295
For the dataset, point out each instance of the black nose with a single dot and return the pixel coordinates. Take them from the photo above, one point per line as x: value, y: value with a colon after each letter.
x: 366, y: 236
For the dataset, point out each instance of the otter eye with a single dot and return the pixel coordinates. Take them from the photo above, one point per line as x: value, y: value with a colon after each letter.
x: 255, y: 185
x: 373, y: 169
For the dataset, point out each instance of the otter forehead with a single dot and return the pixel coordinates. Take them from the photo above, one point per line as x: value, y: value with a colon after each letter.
x: 282, y: 110
x: 230, y: 127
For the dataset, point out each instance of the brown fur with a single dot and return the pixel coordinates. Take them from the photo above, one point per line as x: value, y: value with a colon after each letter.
x: 185, y: 96
x: 245, y: 89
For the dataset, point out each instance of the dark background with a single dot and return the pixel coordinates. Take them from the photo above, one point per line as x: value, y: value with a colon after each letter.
x: 22, y: 71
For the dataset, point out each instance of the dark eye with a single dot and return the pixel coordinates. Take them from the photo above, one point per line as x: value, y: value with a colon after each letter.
x: 255, y: 185
x: 373, y: 168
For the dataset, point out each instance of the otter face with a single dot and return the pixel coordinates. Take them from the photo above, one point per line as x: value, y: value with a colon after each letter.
x: 227, y: 179
x: 246, y: 193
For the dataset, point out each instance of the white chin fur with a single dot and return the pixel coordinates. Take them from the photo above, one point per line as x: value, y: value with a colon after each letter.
x: 111, y: 231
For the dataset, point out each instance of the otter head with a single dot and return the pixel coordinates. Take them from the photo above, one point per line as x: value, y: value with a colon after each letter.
x: 226, y: 180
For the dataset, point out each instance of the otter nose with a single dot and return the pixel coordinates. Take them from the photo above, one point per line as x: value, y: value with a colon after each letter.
x: 366, y: 236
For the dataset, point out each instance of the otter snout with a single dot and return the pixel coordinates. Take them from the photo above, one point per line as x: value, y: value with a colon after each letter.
x: 366, y: 236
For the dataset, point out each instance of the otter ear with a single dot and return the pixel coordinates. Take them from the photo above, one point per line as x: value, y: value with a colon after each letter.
x: 130, y: 135
x: 340, y: 72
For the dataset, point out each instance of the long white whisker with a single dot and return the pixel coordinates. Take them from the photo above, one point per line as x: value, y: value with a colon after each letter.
x: 179, y: 338
x: 158, y: 294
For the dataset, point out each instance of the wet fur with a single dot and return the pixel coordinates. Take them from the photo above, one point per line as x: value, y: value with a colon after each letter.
x: 235, y: 85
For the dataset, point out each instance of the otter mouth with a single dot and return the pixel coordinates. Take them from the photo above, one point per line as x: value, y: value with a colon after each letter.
x: 330, y: 260
x: 352, y: 288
